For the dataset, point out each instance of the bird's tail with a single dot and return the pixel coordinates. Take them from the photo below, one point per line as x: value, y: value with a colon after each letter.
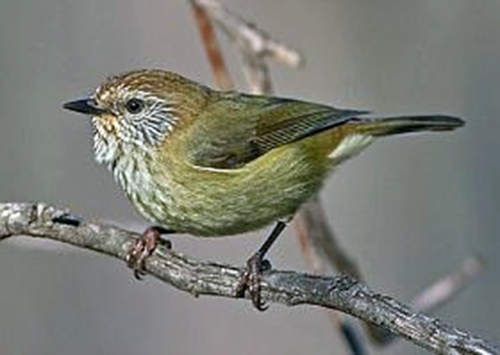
x: 362, y: 132
x: 407, y: 124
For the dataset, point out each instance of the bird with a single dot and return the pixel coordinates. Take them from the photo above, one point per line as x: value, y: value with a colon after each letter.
x: 210, y: 163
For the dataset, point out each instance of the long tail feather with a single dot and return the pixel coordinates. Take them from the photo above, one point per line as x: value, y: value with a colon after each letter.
x: 408, y: 124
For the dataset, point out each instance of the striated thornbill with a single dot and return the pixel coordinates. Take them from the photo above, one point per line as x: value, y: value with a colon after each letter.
x: 210, y: 163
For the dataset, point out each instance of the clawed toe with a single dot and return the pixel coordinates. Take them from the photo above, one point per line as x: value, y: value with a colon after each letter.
x: 251, y: 280
x: 256, y: 265
x: 144, y: 247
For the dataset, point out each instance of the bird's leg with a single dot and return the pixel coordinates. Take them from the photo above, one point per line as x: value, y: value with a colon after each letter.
x: 256, y: 265
x: 144, y: 247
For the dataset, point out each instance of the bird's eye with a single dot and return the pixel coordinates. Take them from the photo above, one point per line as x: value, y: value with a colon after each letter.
x: 134, y: 106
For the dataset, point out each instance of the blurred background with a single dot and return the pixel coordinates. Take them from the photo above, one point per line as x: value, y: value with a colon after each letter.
x: 409, y: 209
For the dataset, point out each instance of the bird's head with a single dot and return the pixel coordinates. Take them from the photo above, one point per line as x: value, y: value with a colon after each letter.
x: 139, y: 110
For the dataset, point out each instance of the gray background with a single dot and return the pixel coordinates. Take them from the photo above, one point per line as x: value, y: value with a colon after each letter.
x: 409, y: 209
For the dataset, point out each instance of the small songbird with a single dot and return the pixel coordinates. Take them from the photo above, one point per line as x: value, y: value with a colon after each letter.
x: 214, y: 163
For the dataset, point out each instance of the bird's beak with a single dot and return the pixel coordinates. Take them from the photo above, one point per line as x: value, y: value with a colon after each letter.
x: 85, y: 106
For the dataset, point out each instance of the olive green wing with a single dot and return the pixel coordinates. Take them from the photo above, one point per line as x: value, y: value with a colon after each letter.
x: 238, y: 128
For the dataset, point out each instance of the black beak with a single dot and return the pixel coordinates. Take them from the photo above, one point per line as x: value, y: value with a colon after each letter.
x: 85, y: 106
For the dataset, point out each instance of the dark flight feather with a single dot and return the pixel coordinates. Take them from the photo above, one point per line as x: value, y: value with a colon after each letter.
x: 243, y: 127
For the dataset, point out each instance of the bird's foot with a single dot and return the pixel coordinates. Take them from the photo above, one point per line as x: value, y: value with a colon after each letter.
x: 251, y: 280
x: 144, y: 247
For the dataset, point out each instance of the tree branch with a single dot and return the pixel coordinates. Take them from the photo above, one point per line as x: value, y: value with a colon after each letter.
x: 448, y: 286
x: 255, y: 45
x: 313, y: 227
x: 246, y: 34
x: 342, y: 293
x: 214, y: 54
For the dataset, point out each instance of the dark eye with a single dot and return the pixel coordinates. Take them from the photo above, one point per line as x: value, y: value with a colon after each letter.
x: 134, y: 106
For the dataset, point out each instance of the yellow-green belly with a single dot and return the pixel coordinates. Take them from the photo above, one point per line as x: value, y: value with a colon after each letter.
x: 209, y: 202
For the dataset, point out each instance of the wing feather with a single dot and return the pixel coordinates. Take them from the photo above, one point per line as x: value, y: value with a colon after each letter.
x: 238, y: 128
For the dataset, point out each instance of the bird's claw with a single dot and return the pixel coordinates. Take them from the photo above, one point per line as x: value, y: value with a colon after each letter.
x: 142, y: 248
x: 251, y: 280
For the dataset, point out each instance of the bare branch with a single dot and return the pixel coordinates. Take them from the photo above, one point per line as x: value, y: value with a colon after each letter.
x: 342, y: 293
x: 250, y: 36
x: 255, y: 46
x: 338, y: 320
x: 436, y: 295
x: 448, y: 286
x: 323, y: 239
x: 211, y: 45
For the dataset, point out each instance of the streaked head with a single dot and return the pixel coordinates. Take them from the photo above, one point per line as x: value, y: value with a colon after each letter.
x: 138, y: 110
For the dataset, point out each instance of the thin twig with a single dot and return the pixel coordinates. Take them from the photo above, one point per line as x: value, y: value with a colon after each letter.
x: 250, y: 36
x: 211, y: 45
x: 342, y: 293
x: 447, y: 287
x: 255, y: 46
x: 436, y: 295
x: 337, y: 319
x: 323, y: 239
